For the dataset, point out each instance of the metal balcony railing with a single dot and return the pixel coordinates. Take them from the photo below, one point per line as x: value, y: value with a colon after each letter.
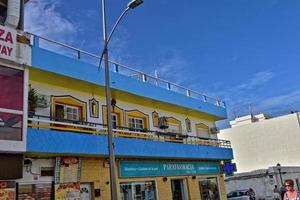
x: 85, y: 56
x: 46, y: 122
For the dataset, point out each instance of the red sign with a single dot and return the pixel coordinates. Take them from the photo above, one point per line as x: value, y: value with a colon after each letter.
x: 7, y: 190
x: 3, y: 185
x: 8, y: 39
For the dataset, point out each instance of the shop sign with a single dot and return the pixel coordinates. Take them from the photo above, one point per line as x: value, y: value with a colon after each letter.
x: 67, y: 169
x: 144, y: 169
x: 7, y: 190
x: 67, y: 191
x: 8, y: 43
x: 228, y: 168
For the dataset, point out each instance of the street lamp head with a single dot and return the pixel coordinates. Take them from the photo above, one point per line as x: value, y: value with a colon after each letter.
x: 134, y: 3
x: 278, y: 165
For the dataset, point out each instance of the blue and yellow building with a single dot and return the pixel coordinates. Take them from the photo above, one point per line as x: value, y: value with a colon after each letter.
x: 165, y: 137
x: 53, y: 130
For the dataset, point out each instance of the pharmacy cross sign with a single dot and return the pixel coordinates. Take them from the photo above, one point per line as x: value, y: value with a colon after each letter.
x: 229, y: 168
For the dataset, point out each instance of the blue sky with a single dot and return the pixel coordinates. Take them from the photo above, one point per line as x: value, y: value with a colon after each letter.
x: 246, y: 52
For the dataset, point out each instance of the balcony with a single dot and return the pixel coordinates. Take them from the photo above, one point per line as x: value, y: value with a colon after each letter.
x: 58, y: 58
x: 46, y: 135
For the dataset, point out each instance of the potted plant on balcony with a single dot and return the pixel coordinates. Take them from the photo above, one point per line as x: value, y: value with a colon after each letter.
x: 36, y: 100
x: 32, y: 101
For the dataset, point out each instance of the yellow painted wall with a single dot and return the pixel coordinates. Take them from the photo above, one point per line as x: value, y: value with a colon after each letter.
x: 96, y: 171
x: 193, y: 187
x: 222, y: 187
x: 124, y: 104
x: 115, y: 110
x: 164, y: 188
x: 55, y: 80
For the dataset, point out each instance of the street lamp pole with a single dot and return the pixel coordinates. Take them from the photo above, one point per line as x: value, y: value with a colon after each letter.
x: 112, y: 164
x: 279, y: 170
x: 104, y: 54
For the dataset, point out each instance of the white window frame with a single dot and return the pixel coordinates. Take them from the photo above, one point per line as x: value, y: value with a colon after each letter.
x: 15, y: 145
x: 116, y: 120
x: 173, y: 130
x: 185, y: 187
x: 135, y: 122
x: 202, y: 136
x: 142, y: 182
x: 66, y: 106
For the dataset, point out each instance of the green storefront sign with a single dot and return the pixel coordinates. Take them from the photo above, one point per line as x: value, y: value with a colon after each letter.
x: 144, y: 169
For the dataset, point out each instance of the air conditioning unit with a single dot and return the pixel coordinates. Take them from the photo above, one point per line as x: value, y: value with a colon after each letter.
x: 163, y: 123
x: 214, y: 130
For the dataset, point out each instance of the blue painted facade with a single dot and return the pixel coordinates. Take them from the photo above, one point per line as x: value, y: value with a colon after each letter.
x: 74, y: 68
x: 63, y: 142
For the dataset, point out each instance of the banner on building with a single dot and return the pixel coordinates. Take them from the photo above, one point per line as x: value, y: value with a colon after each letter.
x: 67, y: 191
x: 7, y: 190
x: 67, y: 169
x: 144, y: 169
x: 8, y: 43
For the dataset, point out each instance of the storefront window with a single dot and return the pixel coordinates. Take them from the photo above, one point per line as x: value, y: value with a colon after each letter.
x: 179, y: 189
x: 7, y: 190
x: 11, y: 103
x: 11, y: 126
x: 11, y: 84
x: 35, y: 191
x: 209, y: 188
x: 138, y: 190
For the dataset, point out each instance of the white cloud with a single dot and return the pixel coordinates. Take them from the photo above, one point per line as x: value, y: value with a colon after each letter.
x: 172, y: 66
x: 118, y: 45
x: 241, y: 98
x: 284, y: 102
x: 257, y: 80
x: 42, y: 18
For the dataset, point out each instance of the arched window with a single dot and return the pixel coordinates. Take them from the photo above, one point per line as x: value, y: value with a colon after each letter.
x: 68, y: 108
x: 174, y: 125
x: 136, y: 119
x: 202, y: 130
x: 117, y: 115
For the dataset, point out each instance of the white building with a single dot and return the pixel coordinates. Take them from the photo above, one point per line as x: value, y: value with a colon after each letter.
x: 263, y: 181
x: 260, y: 141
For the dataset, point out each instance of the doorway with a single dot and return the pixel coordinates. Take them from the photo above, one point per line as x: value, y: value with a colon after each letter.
x: 85, y: 191
x: 209, y: 188
x: 179, y: 189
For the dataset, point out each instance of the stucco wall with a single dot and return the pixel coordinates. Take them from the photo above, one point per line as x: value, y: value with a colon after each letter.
x: 49, y: 90
x: 95, y: 171
x: 263, y: 181
x: 262, y: 144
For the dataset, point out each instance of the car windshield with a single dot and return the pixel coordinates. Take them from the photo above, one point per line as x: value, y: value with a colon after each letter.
x: 237, y: 193
x: 231, y: 194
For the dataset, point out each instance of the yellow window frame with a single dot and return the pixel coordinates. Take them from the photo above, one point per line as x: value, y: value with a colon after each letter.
x: 119, y: 112
x: 138, y: 114
x: 203, y: 126
x: 173, y: 120
x: 155, y: 117
x: 69, y: 100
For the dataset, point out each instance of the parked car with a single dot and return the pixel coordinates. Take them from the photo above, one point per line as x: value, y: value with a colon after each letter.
x: 246, y: 194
